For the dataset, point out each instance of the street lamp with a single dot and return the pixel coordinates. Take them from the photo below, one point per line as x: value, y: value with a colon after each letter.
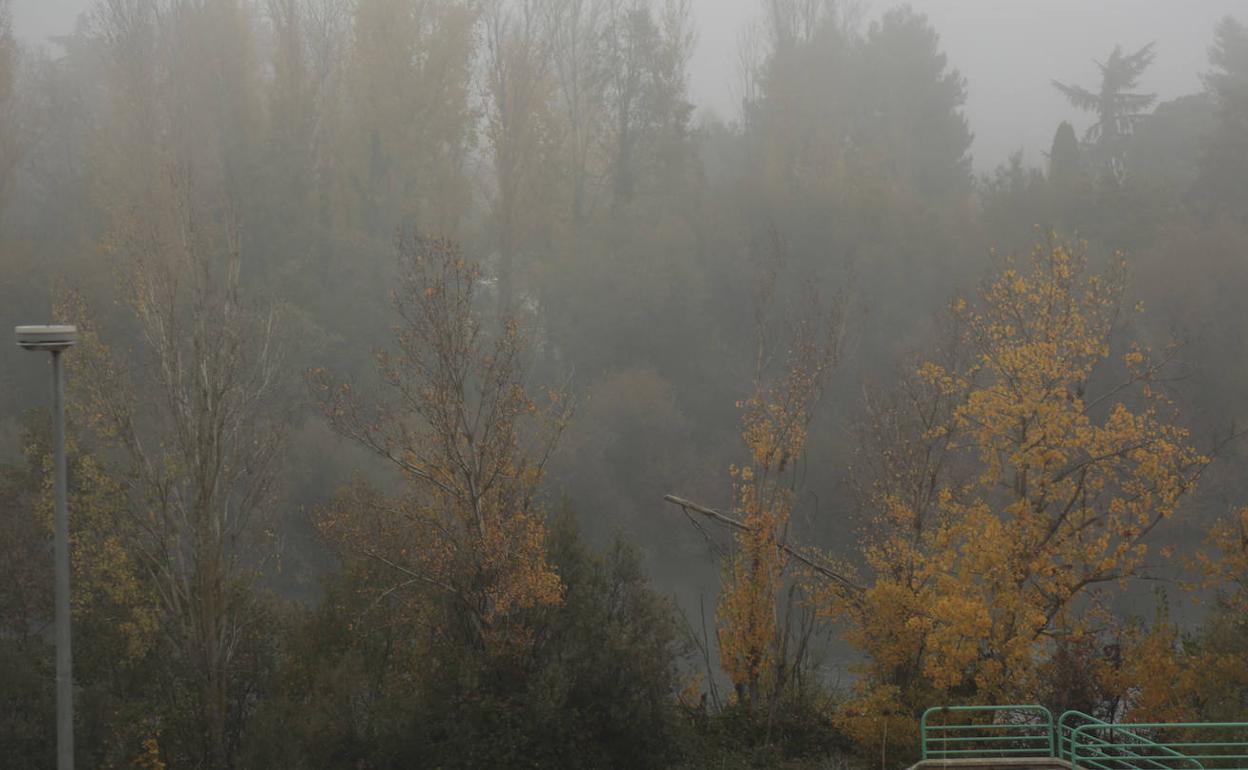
x: 56, y: 340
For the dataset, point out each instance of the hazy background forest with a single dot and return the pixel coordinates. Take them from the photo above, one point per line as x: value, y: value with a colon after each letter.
x: 402, y: 317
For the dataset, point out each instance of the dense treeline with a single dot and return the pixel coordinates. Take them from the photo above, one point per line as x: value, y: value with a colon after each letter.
x: 400, y: 319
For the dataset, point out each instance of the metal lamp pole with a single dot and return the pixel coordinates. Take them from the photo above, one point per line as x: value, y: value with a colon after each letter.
x: 56, y: 340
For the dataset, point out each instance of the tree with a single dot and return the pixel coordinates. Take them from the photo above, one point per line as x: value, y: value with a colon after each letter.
x: 1118, y: 109
x: 856, y: 164
x: 797, y: 127
x: 115, y: 611
x: 626, y: 189
x: 791, y: 22
x: 294, y: 91
x: 762, y: 646
x: 178, y: 424
x: 909, y: 112
x: 470, y: 530
x: 647, y: 51
x: 1221, y: 184
x: 26, y: 656
x: 1229, y: 57
x: 8, y: 126
x: 1064, y: 157
x: 1164, y: 673
x: 775, y: 418
x: 1015, y: 474
x: 196, y: 442
x: 309, y: 42
x: 409, y: 89
x: 522, y: 131
x: 575, y: 28
x: 596, y: 689
x: 1216, y: 654
x: 620, y: 66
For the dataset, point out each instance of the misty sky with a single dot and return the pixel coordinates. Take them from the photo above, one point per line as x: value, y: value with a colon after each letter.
x: 1009, y: 50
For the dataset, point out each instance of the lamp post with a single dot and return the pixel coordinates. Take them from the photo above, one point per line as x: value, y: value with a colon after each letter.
x: 56, y: 340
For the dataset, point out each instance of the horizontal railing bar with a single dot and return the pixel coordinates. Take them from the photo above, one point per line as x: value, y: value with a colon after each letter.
x: 981, y: 752
x: 1099, y: 739
x: 1131, y: 749
x: 1101, y: 749
x: 1177, y: 762
x: 1132, y: 756
x: 989, y: 738
x: 1155, y: 744
x: 1181, y: 753
x: 1170, y: 761
x: 1134, y: 748
x: 1228, y: 744
x: 991, y: 726
x: 1178, y: 754
x: 1017, y: 707
x: 1167, y: 725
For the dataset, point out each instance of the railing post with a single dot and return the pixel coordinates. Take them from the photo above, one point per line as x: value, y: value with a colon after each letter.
x: 923, y: 730
x: 1074, y: 745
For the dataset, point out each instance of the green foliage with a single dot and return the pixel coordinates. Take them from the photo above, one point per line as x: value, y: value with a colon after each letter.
x: 26, y: 656
x: 596, y: 689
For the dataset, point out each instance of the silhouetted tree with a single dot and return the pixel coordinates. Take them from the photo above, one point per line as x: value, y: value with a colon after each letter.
x: 1064, y: 156
x: 1117, y: 108
x: 1223, y: 181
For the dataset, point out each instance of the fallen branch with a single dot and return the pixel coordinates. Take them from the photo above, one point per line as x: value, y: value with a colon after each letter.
x: 729, y: 521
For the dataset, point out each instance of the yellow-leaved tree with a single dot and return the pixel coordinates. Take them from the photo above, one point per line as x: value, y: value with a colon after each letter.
x: 1225, y: 567
x: 763, y: 641
x: 1012, y: 474
x: 1168, y: 675
x: 1202, y: 674
x: 774, y: 420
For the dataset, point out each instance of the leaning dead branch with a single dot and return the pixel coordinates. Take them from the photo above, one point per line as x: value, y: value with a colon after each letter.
x: 813, y: 562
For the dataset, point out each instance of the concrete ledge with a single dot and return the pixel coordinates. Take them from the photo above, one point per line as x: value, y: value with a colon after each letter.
x: 992, y: 763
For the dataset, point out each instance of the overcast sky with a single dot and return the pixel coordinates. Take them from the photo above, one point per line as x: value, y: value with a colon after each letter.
x: 1008, y: 50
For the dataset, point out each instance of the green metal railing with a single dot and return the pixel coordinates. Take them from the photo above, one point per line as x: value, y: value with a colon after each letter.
x: 1161, y: 746
x: 1087, y: 743
x: 951, y: 732
x: 1130, y: 750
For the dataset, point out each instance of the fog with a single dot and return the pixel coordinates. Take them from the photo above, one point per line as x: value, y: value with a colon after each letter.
x: 620, y: 383
x: 1008, y: 51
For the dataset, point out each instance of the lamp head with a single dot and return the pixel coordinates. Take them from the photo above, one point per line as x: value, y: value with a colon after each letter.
x: 53, y: 338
